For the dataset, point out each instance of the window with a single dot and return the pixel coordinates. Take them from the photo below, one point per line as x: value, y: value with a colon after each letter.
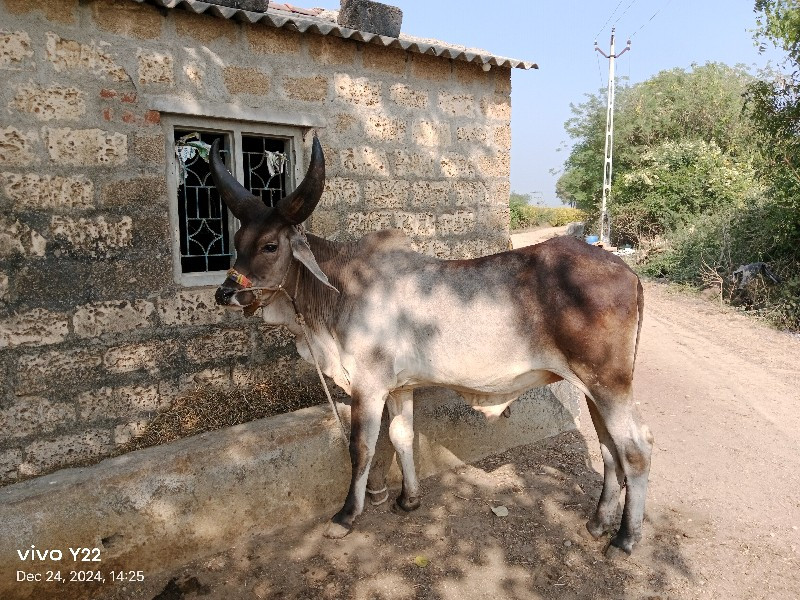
x: 261, y: 157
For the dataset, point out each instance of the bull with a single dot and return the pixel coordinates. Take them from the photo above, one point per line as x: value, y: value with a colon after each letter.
x: 382, y: 320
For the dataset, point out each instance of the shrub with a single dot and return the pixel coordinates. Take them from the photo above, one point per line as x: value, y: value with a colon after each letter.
x: 524, y: 215
x: 676, y: 183
x: 709, y: 248
x: 519, y: 214
x: 560, y: 216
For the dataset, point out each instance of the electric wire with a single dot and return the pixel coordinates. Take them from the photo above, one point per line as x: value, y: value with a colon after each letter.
x: 663, y: 6
x: 609, y: 18
x: 625, y: 11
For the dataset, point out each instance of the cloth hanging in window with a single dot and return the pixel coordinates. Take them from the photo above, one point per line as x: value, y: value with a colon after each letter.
x: 276, y: 161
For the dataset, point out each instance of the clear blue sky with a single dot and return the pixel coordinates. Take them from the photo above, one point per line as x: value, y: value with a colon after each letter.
x: 560, y: 36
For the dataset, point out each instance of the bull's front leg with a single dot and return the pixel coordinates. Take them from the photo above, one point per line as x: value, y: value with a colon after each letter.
x: 365, y: 425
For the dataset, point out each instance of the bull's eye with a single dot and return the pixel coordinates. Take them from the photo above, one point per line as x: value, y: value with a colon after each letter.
x: 269, y: 248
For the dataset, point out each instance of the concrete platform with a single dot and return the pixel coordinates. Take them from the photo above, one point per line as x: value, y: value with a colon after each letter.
x: 156, y: 508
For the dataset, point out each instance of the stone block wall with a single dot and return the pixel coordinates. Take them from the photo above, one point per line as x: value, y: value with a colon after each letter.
x: 421, y: 144
x: 96, y: 336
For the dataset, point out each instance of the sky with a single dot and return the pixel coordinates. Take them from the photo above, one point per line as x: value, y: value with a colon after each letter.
x: 559, y: 36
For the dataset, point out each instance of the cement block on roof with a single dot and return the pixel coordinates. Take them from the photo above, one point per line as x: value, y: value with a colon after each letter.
x: 374, y: 17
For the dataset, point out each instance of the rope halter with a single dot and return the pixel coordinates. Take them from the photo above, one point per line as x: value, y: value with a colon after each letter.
x: 245, y: 281
x: 247, y: 286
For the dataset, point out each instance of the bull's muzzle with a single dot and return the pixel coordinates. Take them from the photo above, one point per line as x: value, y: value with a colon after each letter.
x: 235, y: 297
x: 224, y: 295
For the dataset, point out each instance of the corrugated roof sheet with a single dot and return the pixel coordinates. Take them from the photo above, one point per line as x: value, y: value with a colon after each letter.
x: 289, y: 17
x: 312, y: 12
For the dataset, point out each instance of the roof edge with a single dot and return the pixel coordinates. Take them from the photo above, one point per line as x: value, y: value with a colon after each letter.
x: 305, y: 23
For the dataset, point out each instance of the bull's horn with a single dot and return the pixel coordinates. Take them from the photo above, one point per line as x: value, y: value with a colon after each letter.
x: 298, y: 206
x: 244, y: 205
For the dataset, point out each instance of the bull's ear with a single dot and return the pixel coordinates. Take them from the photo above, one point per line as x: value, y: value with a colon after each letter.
x: 302, y: 252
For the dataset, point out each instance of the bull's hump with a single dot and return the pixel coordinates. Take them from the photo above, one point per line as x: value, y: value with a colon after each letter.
x: 386, y: 240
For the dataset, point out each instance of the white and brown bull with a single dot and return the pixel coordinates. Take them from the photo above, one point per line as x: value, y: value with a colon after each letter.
x: 383, y: 320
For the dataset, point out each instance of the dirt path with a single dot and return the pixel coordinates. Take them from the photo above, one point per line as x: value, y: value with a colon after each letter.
x: 534, y: 236
x: 720, y: 393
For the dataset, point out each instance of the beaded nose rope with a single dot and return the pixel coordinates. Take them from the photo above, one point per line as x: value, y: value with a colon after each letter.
x: 237, y: 277
x: 247, y: 284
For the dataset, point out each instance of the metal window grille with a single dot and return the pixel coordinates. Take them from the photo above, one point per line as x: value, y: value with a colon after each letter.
x: 205, y: 225
x: 269, y: 185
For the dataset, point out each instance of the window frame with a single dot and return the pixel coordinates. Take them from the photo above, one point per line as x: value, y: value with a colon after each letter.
x: 293, y: 135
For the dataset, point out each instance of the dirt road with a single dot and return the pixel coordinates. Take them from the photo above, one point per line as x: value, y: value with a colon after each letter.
x: 720, y: 393
x: 534, y: 236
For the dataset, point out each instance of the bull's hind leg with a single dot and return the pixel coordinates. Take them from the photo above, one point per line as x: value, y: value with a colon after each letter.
x: 401, y: 432
x: 384, y: 451
x: 628, y: 446
x: 365, y: 425
x: 603, y: 519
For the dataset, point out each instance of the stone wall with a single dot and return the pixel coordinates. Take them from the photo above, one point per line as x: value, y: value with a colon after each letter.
x: 95, y: 335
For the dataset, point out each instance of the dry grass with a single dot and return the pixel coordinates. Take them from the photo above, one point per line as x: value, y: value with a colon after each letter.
x: 713, y: 281
x: 209, y: 409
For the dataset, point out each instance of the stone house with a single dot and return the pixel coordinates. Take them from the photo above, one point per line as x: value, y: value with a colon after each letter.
x: 112, y: 238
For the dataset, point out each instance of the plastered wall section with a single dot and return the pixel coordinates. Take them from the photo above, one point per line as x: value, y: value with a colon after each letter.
x: 95, y: 335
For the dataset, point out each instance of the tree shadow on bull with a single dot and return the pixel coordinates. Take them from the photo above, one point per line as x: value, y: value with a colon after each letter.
x: 382, y: 321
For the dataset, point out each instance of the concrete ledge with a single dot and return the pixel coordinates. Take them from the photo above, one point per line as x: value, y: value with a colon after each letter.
x: 159, y: 507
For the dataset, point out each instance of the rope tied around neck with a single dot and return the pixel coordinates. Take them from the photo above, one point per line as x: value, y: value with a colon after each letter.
x: 302, y: 322
x: 240, y: 279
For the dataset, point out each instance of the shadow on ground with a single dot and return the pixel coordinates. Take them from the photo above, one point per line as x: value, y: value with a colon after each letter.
x: 540, y: 550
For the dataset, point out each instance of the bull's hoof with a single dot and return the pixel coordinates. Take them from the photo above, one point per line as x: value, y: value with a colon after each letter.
x: 595, y: 529
x: 408, y: 504
x: 586, y: 534
x: 336, y: 531
x: 619, y: 548
x: 380, y: 500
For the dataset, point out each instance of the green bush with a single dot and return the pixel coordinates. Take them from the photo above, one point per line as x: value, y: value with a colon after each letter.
x: 524, y: 215
x: 519, y: 214
x: 677, y: 183
x: 706, y: 250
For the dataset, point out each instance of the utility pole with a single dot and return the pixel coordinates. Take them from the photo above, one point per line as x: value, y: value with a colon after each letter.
x: 605, y: 223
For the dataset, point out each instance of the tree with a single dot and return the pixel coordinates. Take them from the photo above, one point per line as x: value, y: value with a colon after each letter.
x: 704, y: 103
x: 582, y: 178
x: 677, y: 182
x: 779, y: 22
x: 708, y: 159
x: 774, y: 107
x: 563, y: 186
x: 519, y: 199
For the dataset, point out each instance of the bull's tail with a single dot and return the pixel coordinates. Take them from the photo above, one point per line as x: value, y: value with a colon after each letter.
x: 640, y: 305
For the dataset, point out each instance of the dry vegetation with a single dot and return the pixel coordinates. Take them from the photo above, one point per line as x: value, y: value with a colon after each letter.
x: 212, y: 408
